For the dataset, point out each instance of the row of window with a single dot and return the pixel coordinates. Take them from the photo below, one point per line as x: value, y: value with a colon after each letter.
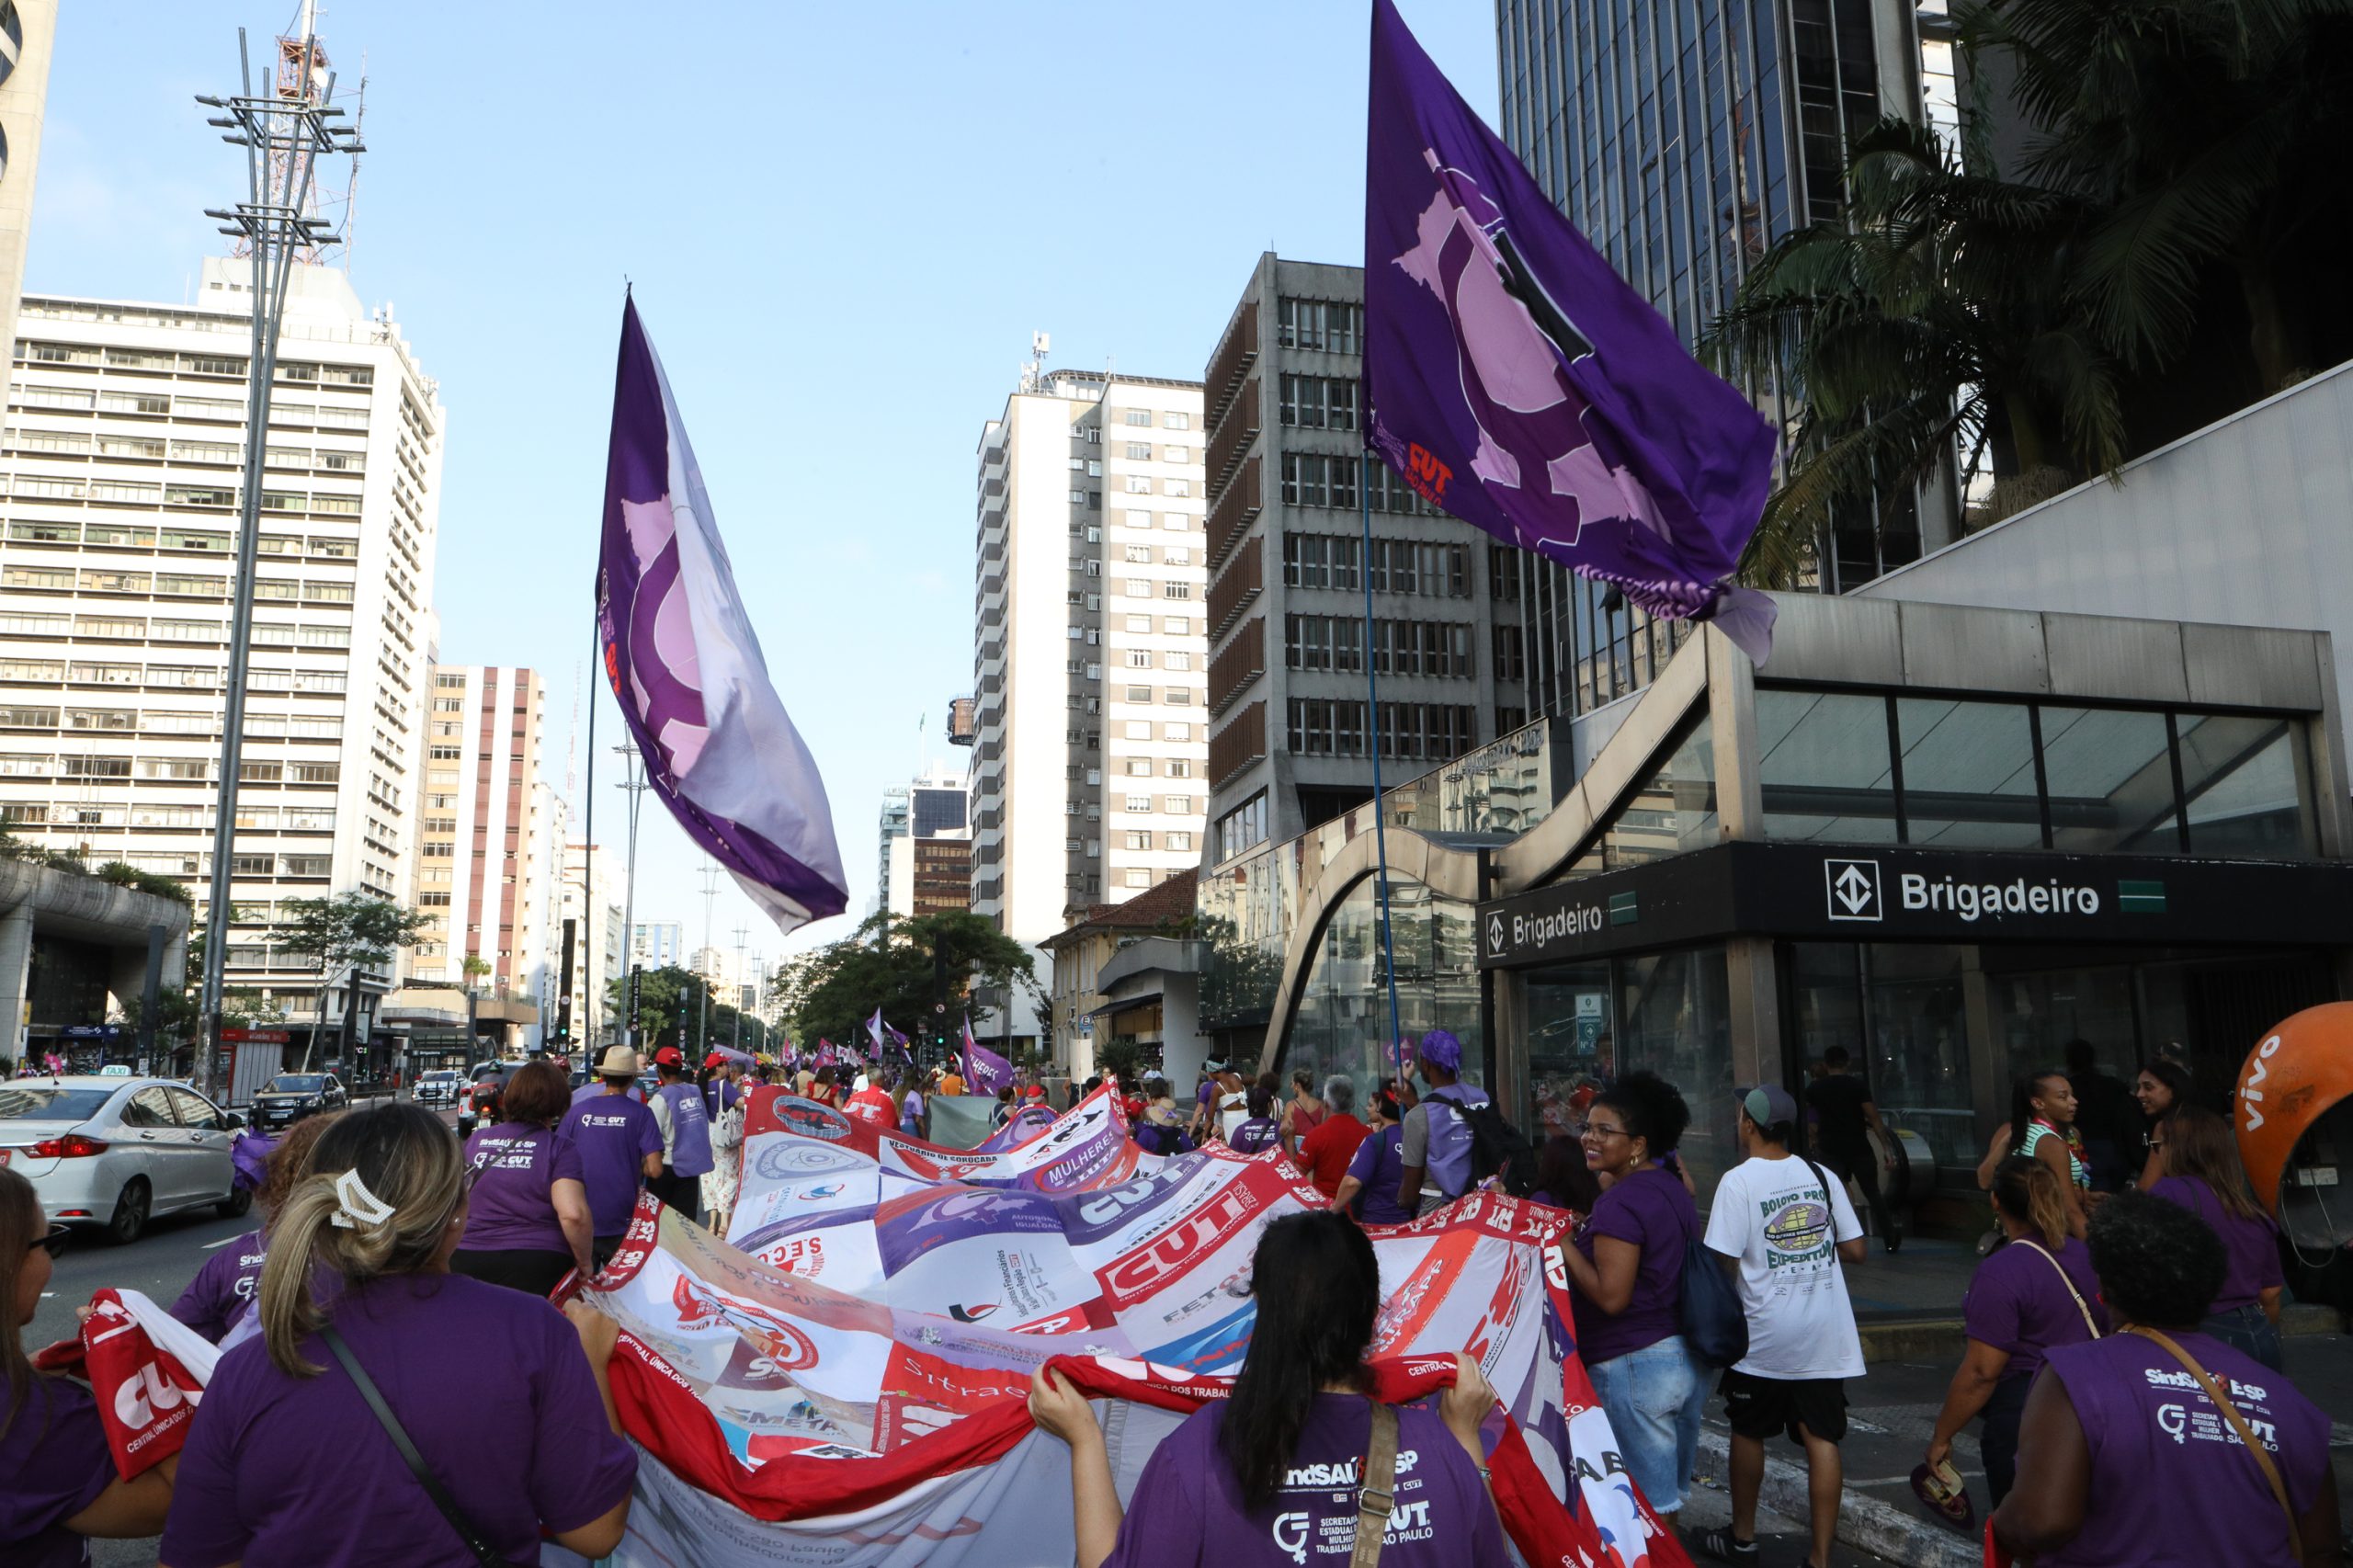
x: 155, y: 492
x: 149, y: 722
x: 156, y: 448
x: 1172, y: 555
x: 158, y: 360
x: 1242, y: 828
x: 1166, y: 768
x: 189, y: 677
x: 1395, y: 565
x: 255, y: 818
x: 146, y: 536
x: 1319, y: 479
x: 1318, y: 403
x: 157, y: 406
x: 1174, y: 805
x: 1411, y: 731
x: 1330, y: 327
x: 1142, y: 419
x: 168, y: 769
x: 1399, y: 647
x: 160, y: 628
x: 172, y: 585
x: 1169, y: 522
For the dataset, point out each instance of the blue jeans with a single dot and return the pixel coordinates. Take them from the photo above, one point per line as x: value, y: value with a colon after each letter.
x: 2248, y: 1331
x: 1654, y: 1398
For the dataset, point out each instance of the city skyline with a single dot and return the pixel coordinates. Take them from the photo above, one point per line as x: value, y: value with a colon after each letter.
x: 127, y: 168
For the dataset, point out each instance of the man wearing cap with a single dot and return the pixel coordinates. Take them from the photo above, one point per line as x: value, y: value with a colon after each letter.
x: 1782, y: 1225
x: 1437, y: 1146
x: 620, y: 1148
x: 678, y: 1112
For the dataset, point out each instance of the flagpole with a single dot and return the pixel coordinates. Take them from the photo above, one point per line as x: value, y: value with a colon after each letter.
x: 592, y: 919
x: 1372, y: 733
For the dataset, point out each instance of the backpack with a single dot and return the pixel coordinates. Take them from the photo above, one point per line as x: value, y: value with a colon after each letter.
x: 1498, y: 1148
x: 1714, y: 1325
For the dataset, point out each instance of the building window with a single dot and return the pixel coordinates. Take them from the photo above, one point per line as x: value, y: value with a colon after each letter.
x: 1319, y: 561
x: 1175, y: 625
x: 1140, y: 659
x: 1176, y: 806
x: 1176, y: 590
x: 1138, y: 416
x: 1176, y: 420
x: 1142, y: 803
x: 1331, y: 326
x: 1319, y: 402
x: 1175, y: 732
x: 1326, y: 727
x: 1180, y: 841
x: 1179, y: 768
x: 1137, y: 729
x: 1175, y: 661
x: 1138, y: 841
x: 1138, y: 767
x: 1138, y: 483
x: 1175, y: 487
x: 1136, y: 876
x: 1140, y: 451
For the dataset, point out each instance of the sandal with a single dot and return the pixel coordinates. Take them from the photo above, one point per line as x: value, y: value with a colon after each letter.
x: 1721, y: 1544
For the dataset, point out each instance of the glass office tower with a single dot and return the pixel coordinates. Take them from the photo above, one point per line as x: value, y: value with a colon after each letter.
x: 1685, y: 137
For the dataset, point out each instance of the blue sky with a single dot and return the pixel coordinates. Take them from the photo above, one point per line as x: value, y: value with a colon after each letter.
x: 843, y: 222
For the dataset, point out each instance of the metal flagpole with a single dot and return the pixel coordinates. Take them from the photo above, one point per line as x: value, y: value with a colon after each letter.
x: 592, y: 918
x: 1372, y: 733
x: 283, y: 137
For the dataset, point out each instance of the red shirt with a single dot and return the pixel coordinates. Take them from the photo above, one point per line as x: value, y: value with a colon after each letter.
x: 1325, y: 1154
x: 874, y: 1106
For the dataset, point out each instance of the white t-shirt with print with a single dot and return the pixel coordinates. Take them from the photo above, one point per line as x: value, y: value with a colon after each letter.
x: 1782, y: 1223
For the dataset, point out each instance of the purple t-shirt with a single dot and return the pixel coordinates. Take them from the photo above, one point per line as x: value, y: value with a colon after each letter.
x: 53, y: 1463
x: 2017, y: 1303
x: 1380, y: 1164
x: 2252, y: 1246
x: 281, y: 1470
x: 614, y: 1133
x: 516, y: 1170
x: 1188, y: 1509
x: 1651, y: 1209
x: 223, y: 1289
x: 2167, y: 1485
x: 1256, y: 1136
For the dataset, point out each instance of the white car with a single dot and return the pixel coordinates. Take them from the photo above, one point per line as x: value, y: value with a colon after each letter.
x: 115, y: 1152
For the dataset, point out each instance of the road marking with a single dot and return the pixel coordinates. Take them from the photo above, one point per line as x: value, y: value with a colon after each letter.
x: 224, y: 1241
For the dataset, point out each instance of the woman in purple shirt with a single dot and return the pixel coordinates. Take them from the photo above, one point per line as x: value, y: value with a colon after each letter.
x: 526, y: 1223
x: 1259, y: 1131
x: 2126, y: 1461
x: 2199, y: 1159
x: 58, y: 1485
x: 223, y: 1290
x: 1273, y: 1472
x: 1370, y: 1189
x: 1625, y: 1265
x: 2036, y: 1292
x: 286, y: 1463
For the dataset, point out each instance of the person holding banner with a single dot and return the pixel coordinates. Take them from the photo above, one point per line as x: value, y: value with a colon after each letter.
x: 58, y: 1481
x: 290, y: 1459
x: 1373, y: 1190
x: 1303, y: 1412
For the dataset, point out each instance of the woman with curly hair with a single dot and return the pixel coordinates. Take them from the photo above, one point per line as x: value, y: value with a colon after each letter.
x: 223, y: 1290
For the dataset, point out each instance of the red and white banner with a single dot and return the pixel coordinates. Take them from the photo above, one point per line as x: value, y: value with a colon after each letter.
x: 148, y: 1370
x: 846, y: 1383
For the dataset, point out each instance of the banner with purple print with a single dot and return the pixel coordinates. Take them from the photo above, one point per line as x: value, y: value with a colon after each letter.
x: 1515, y: 380
x: 984, y: 1071
x: 686, y: 666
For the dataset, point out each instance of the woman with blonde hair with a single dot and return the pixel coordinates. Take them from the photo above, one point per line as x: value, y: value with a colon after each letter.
x: 58, y: 1485
x: 2035, y: 1292
x: 337, y: 1437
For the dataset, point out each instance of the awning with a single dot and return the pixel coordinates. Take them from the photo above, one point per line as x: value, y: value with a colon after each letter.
x: 423, y: 1005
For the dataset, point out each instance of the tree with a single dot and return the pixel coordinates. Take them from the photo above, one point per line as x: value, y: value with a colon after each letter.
x: 670, y: 996
x: 1122, y: 1058
x: 907, y: 967
x: 343, y: 934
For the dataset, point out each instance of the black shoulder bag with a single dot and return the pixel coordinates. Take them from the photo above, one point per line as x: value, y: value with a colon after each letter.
x: 484, y: 1553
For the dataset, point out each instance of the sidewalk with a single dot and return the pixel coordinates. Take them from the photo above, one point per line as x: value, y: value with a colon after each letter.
x: 1894, y: 1410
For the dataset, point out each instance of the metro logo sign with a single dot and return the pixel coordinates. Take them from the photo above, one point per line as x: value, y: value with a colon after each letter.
x: 1853, y: 889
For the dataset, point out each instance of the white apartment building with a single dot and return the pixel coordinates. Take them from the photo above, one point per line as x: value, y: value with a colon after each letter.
x: 590, y: 899
x: 485, y: 841
x: 121, y: 460
x: 656, y: 943
x: 1087, y: 780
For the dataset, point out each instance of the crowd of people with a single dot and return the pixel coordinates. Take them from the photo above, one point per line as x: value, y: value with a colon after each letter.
x: 2121, y: 1330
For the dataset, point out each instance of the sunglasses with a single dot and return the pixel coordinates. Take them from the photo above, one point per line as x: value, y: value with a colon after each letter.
x: 52, y: 1242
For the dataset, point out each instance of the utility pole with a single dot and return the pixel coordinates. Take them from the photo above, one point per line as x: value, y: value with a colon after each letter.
x: 284, y: 133
x: 741, y: 932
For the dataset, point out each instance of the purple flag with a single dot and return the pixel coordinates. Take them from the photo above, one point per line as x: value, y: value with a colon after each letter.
x: 984, y: 1070
x: 1512, y: 378
x: 684, y: 663
x: 875, y: 1029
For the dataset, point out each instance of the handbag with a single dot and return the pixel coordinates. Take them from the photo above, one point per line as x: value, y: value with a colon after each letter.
x: 2238, y: 1424
x: 1377, y: 1498
x: 484, y: 1553
x: 1714, y: 1324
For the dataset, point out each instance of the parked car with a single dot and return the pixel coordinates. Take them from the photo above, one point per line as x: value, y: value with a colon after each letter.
x: 438, y: 1087
x: 288, y: 1097
x: 115, y: 1151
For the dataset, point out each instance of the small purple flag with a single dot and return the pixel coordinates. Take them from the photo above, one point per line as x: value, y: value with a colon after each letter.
x: 984, y: 1070
x: 1514, y: 378
x: 687, y: 669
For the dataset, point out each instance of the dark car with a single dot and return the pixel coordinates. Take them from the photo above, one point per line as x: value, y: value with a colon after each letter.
x: 288, y: 1097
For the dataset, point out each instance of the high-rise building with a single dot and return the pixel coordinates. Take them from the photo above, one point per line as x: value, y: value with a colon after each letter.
x: 1087, y: 782
x: 28, y: 35
x: 927, y: 846
x: 590, y: 901
x: 1291, y: 735
x: 485, y: 849
x: 125, y: 436
x: 656, y: 943
x: 1684, y: 142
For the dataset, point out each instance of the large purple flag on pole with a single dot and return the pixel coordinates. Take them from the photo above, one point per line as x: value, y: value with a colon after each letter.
x: 1512, y: 378
x: 687, y: 669
x: 984, y: 1070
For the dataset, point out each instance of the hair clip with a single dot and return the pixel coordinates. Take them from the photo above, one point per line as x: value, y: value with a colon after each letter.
x: 356, y: 1206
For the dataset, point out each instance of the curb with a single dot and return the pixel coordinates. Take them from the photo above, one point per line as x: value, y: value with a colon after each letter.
x: 1940, y: 1338
x: 1865, y: 1523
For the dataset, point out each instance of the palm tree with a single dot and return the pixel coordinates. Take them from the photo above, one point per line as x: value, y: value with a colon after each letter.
x: 1936, y: 321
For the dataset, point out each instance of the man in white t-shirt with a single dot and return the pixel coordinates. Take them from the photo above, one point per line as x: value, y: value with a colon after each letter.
x: 1782, y: 1225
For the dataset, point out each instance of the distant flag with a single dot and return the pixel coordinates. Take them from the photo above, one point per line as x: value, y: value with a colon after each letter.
x: 876, y: 1029
x: 984, y: 1069
x: 1514, y: 378
x: 687, y: 669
